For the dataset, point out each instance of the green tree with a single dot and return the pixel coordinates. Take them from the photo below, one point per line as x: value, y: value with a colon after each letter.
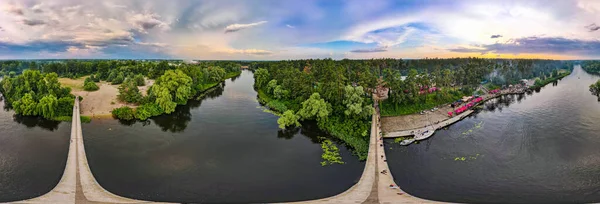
x: 164, y: 99
x: 315, y: 108
x: 47, y: 106
x: 261, y: 77
x: 123, y: 113
x: 26, y: 105
x: 271, y: 86
x: 280, y: 93
x: 129, y: 92
x: 288, y: 119
x: 139, y: 80
x: 355, y: 104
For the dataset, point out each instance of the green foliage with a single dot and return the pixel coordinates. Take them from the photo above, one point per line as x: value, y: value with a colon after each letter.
x: 89, y: 85
x: 164, y: 99
x: 26, y: 105
x: 595, y: 88
x: 261, y: 78
x: 355, y: 103
x: 216, y: 74
x: 315, y: 108
x: 177, y: 84
x: 129, y: 92
x: 331, y: 153
x: 591, y: 66
x: 542, y: 82
x: 271, y: 86
x: 85, y: 119
x: 123, y: 113
x: 280, y: 93
x: 288, y: 119
x: 47, y: 106
x: 148, y: 110
x: 353, y: 132
x: 139, y: 80
x: 63, y: 118
x: 118, y: 79
x: 388, y: 108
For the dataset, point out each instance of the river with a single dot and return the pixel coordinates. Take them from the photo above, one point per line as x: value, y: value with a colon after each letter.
x: 33, y: 155
x: 223, y: 148
x: 535, y: 148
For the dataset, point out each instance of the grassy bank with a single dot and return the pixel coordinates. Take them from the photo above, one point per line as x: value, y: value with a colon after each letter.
x: 84, y: 119
x: 336, y: 126
x: 541, y: 83
x: 390, y: 109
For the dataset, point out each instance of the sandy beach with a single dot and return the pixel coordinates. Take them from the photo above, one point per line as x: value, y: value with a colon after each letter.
x: 100, y: 103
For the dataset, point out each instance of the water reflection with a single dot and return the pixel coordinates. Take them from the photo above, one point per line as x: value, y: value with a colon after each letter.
x: 31, y: 122
x: 221, y: 149
x: 179, y: 119
x: 538, y: 147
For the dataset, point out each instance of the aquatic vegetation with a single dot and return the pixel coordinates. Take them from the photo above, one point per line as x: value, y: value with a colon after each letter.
x: 331, y: 153
x: 399, y: 139
x: 474, y: 128
x: 467, y: 158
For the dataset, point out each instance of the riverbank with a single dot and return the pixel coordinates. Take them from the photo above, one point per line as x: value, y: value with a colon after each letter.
x: 393, y: 129
x: 349, y: 131
x: 99, y: 104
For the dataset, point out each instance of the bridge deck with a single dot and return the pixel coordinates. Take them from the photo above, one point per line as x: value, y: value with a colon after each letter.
x: 78, y: 184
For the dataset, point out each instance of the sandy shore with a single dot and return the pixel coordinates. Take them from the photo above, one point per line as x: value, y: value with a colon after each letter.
x: 100, y: 103
x: 414, y: 121
x: 396, y: 125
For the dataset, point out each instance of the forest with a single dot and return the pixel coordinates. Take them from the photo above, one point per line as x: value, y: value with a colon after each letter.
x: 337, y: 94
x: 334, y: 93
x: 591, y: 66
x: 37, y: 94
x: 176, y: 82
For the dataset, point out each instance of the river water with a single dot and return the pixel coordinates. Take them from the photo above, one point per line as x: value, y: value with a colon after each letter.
x: 224, y: 148
x: 537, y: 148
x: 33, y: 155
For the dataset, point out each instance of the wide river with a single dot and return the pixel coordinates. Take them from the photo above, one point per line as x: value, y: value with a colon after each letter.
x: 538, y: 148
x: 224, y: 148
x: 33, y: 154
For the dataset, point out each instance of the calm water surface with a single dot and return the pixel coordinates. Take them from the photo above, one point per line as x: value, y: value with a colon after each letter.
x: 224, y: 148
x: 33, y: 154
x: 538, y: 148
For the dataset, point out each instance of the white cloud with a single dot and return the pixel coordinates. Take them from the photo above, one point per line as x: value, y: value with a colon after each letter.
x: 236, y: 27
x: 145, y: 22
x: 289, y: 26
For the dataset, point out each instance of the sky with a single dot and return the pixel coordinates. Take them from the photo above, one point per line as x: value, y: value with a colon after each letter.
x: 290, y: 29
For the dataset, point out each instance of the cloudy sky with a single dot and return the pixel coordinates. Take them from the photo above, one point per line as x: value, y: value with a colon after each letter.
x: 289, y: 29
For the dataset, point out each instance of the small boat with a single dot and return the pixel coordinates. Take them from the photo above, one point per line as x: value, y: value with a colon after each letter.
x: 407, y: 141
x: 424, y: 135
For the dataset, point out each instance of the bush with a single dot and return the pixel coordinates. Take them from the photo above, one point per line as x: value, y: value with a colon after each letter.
x: 90, y: 86
x: 139, y: 80
x: 123, y: 113
x: 85, y: 119
x: 148, y: 110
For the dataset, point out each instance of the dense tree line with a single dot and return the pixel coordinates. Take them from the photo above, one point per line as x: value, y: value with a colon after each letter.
x: 35, y: 94
x: 175, y: 86
x: 595, y: 89
x: 337, y: 93
x: 591, y: 66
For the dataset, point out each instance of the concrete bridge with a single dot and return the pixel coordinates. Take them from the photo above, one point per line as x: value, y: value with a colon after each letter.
x: 78, y: 185
x: 373, y: 186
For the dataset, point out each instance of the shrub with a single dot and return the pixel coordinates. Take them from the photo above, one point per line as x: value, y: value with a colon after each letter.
x: 90, y: 86
x: 148, y: 110
x: 123, y: 113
